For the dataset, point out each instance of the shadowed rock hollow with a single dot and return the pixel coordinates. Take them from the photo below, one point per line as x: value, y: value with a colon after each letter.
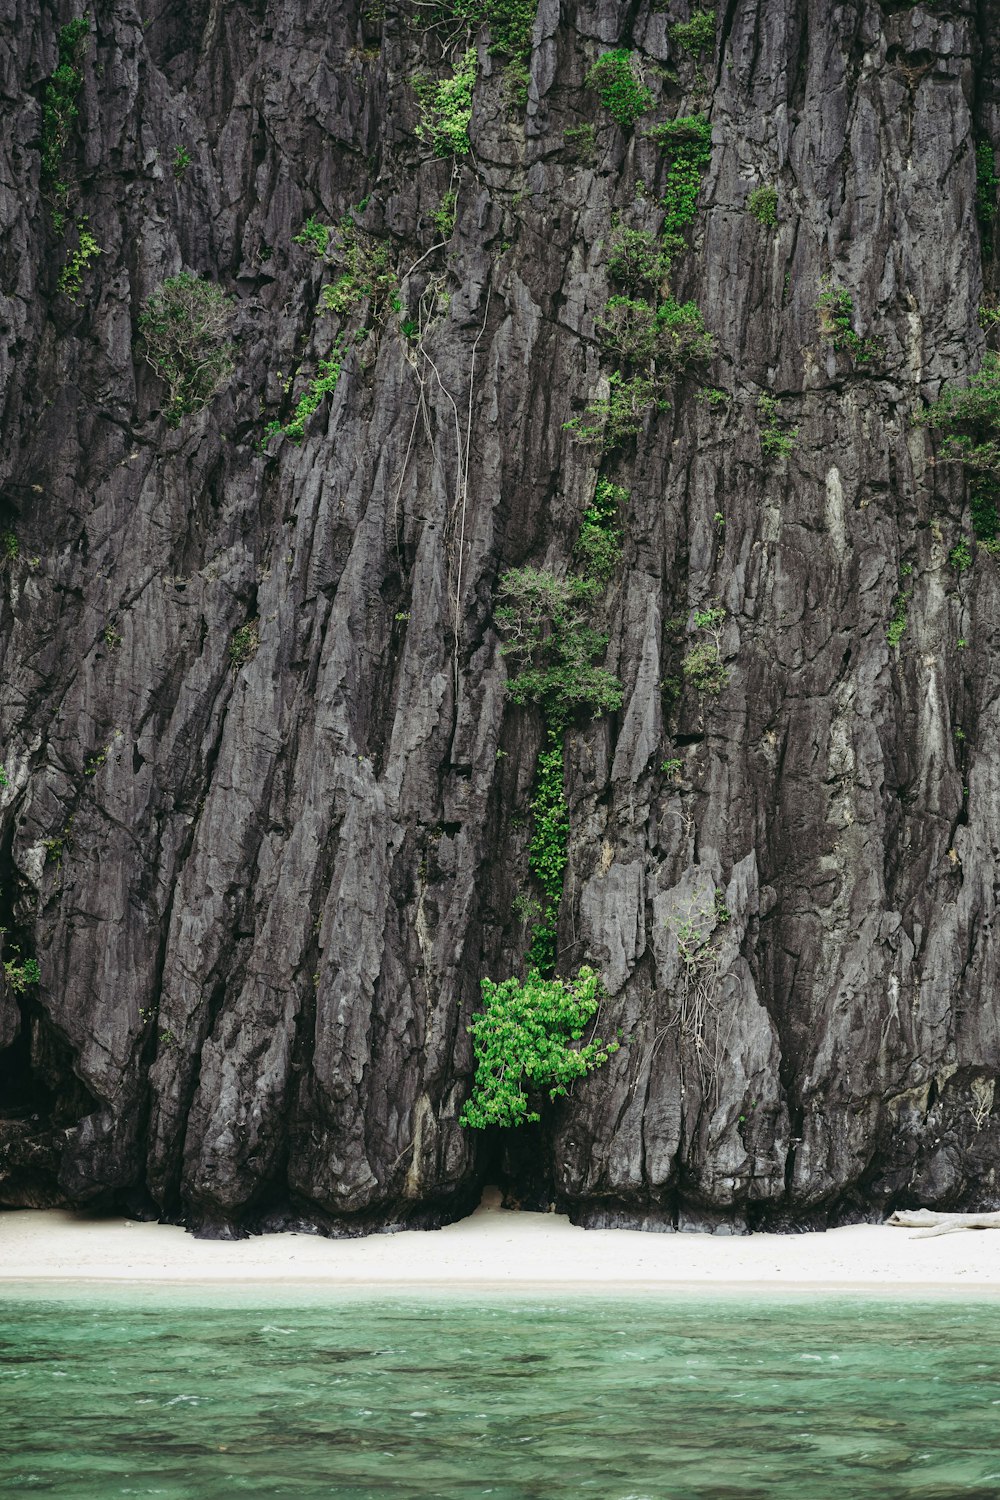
x: 265, y: 817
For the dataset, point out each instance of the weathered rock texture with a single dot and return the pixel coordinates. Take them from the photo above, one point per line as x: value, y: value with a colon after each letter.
x: 262, y: 895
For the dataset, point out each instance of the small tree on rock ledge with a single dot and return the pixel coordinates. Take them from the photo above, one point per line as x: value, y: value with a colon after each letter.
x: 184, y: 327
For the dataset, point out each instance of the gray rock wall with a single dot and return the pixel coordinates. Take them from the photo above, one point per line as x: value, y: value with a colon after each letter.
x: 261, y: 894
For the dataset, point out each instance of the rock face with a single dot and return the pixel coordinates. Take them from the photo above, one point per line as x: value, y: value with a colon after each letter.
x: 265, y: 813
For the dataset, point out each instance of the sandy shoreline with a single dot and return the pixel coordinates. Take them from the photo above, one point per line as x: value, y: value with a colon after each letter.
x: 497, y: 1249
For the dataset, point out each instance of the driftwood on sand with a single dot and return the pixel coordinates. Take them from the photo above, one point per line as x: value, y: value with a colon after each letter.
x: 929, y: 1222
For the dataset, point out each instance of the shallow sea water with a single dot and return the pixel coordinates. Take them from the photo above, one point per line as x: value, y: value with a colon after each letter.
x: 218, y: 1393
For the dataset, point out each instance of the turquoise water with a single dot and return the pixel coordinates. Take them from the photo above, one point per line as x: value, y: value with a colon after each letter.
x: 184, y: 1394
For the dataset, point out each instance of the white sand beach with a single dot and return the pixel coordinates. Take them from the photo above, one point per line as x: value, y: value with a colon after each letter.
x: 494, y: 1248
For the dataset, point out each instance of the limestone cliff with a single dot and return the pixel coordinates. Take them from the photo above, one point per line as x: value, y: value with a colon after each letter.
x: 265, y: 809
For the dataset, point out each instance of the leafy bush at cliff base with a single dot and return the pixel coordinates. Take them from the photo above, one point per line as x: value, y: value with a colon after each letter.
x: 529, y: 1037
x: 446, y: 108
x: 968, y: 417
x: 183, y: 328
x: 622, y: 91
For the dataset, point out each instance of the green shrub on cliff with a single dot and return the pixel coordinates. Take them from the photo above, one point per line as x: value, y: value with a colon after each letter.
x: 968, y: 419
x: 184, y: 327
x: 529, y: 1036
x: 622, y: 91
x: 446, y: 108
x: 59, y: 111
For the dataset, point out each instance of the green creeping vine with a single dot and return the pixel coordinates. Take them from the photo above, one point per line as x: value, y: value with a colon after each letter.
x: 622, y: 91
x: 688, y: 139
x: 896, y: 628
x: 59, y: 110
x: 525, y: 1036
x: 71, y: 276
x: 527, y: 1033
x: 968, y: 417
x: 548, y: 851
x: 446, y: 108
x: 322, y: 384
x: 599, y: 545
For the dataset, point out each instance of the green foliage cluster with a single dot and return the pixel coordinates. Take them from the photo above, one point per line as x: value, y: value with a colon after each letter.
x: 368, y: 272
x: 446, y: 108
x: 59, y: 111
x: 672, y: 335
x: 667, y: 340
x: 243, y: 644
x: 762, y: 205
x: 314, y: 236
x: 703, y: 666
x: 548, y: 852
x: 181, y: 161
x: 610, y: 421
x: 322, y: 384
x: 836, y: 325
x: 896, y: 628
x: 636, y: 261
x: 682, y: 339
x: 580, y: 143
x: 71, y: 276
x: 968, y: 417
x: 774, y: 442
x: 621, y: 89
x: 20, y: 973
x: 695, y: 35
x: 599, y: 545
x: 549, y: 637
x: 987, y: 183
x: 10, y: 549
x: 510, y: 23
x: 688, y: 140
x: 445, y: 214
x: 960, y: 555
x: 548, y: 629
x: 184, y: 329
x: 529, y: 1037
